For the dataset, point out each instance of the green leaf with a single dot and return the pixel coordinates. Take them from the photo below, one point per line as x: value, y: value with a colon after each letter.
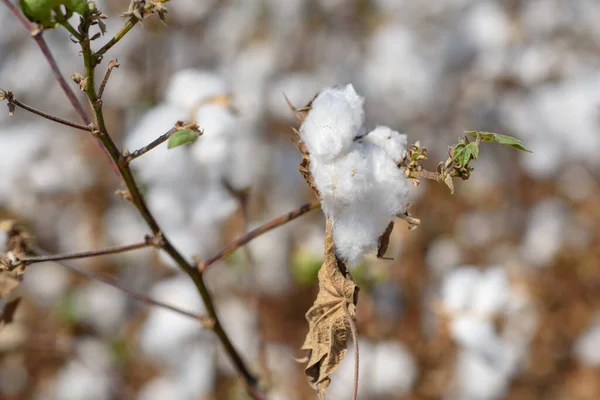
x: 181, y: 137
x: 463, y: 151
x: 78, y: 6
x: 502, y: 139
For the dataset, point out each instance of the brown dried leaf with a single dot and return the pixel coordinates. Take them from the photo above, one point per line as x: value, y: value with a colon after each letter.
x: 329, y: 326
x: 384, y: 241
x: 8, y: 312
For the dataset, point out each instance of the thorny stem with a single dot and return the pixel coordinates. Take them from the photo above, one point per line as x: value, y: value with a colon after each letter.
x: 284, y: 219
x: 205, y: 321
x: 48, y: 116
x: 36, y: 34
x: 355, y: 342
x: 97, y: 56
x: 138, y: 201
x: 90, y: 253
x: 161, y: 139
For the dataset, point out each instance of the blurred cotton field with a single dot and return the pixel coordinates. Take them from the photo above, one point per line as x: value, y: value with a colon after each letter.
x: 495, y: 296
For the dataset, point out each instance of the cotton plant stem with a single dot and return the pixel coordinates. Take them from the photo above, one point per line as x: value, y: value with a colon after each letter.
x: 356, y: 358
x: 253, y: 234
x: 50, y: 117
x: 112, y: 64
x: 36, y: 34
x: 161, y: 139
x: 139, y: 202
x: 40, y: 253
x: 87, y: 254
x: 114, y: 40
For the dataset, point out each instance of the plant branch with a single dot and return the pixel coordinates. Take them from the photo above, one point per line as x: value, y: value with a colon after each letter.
x: 112, y: 64
x: 90, y: 61
x: 284, y: 219
x: 97, y: 56
x: 161, y: 139
x: 90, y: 253
x: 40, y: 253
x: 11, y: 100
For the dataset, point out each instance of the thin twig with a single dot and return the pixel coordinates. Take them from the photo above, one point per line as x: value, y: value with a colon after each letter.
x: 161, y: 139
x: 355, y: 342
x: 284, y: 219
x: 90, y: 253
x: 426, y: 174
x: 112, y: 64
x: 204, y: 320
x: 50, y: 117
x: 114, y: 40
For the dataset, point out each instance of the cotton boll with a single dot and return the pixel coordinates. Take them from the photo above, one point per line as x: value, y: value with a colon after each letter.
x: 392, y: 142
x: 457, y: 288
x: 477, y: 379
x: 46, y: 282
x: 492, y: 292
x: 242, y: 325
x: 335, y: 119
x: 587, y: 345
x: 394, y: 369
x: 159, y: 388
x: 166, y: 206
x: 164, y: 332
x: 545, y: 232
x: 188, y: 87
x: 219, y: 125
x: 101, y: 306
x: 77, y: 380
x: 478, y: 335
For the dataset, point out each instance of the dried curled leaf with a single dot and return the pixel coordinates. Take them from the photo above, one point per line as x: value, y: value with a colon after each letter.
x: 329, y: 326
x: 8, y: 312
x: 384, y: 241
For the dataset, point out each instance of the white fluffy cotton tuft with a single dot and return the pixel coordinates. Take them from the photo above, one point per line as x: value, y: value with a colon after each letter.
x: 362, y: 188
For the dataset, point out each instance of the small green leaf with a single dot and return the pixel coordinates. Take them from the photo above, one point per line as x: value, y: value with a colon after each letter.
x: 502, y: 139
x: 181, y: 137
x: 462, y: 153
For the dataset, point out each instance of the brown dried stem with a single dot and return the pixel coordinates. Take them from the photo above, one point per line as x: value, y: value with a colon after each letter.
x: 112, y: 64
x: 40, y: 253
x: 11, y: 100
x: 284, y: 219
x: 90, y: 253
x: 355, y: 343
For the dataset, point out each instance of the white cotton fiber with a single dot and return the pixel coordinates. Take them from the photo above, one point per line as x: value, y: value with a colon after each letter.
x: 336, y: 118
x: 343, y: 181
x: 362, y: 188
x: 392, y: 142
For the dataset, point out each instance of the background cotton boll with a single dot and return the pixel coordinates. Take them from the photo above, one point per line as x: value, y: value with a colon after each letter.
x: 166, y: 206
x: 393, y: 369
x: 187, y: 88
x: 219, y: 126
x: 391, y: 141
x: 342, y: 379
x: 186, y: 241
x: 46, y: 282
x: 491, y: 292
x: 477, y: 334
x: 587, y: 345
x: 164, y: 333
x: 457, y: 288
x: 477, y: 379
x: 248, y: 161
x: 102, y: 306
x: 241, y: 323
x: 77, y: 380
x: 335, y: 119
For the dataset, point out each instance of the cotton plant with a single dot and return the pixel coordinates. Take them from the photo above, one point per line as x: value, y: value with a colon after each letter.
x: 362, y: 178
